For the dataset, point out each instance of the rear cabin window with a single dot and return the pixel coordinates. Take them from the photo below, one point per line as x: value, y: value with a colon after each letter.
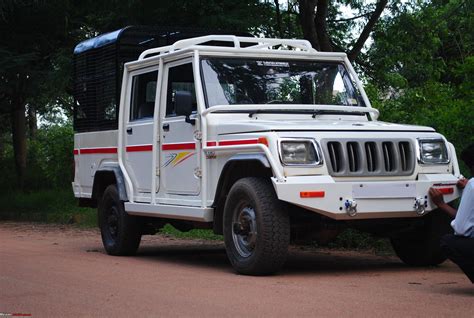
x: 143, y: 95
x: 180, y: 78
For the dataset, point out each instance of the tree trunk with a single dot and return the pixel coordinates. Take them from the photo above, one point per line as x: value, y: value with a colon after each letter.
x: 352, y: 55
x: 288, y: 20
x: 32, y: 121
x: 307, y: 10
x: 321, y: 26
x: 278, y: 18
x: 313, y: 20
x: 19, y: 139
x: 2, y: 147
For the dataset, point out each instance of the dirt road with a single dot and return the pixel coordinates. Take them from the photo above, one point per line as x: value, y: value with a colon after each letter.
x: 61, y: 271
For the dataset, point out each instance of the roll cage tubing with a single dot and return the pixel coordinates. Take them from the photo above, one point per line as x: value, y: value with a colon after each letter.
x: 262, y: 47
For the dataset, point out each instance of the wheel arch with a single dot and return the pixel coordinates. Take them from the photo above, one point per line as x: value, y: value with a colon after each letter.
x: 237, y: 167
x: 106, y: 176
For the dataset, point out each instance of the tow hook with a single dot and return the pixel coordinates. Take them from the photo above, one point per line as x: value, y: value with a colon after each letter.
x: 419, y: 206
x: 351, y: 207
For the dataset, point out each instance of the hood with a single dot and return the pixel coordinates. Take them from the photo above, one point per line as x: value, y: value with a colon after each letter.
x: 249, y: 125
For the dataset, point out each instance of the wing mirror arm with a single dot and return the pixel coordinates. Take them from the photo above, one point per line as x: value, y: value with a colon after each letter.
x: 190, y: 121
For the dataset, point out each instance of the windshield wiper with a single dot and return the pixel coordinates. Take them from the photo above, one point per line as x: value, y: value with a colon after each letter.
x: 275, y: 111
x: 336, y: 112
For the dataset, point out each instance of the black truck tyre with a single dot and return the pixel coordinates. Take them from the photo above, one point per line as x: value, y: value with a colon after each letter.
x: 256, y: 227
x: 421, y: 246
x: 121, y: 233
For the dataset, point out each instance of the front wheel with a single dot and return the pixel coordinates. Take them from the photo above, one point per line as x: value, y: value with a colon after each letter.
x: 421, y: 246
x: 256, y: 228
x: 121, y: 233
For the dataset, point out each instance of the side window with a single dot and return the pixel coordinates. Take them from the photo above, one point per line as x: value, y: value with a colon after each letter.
x: 180, y: 78
x: 143, y: 95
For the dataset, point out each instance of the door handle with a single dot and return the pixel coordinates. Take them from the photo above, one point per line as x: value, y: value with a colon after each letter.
x: 129, y: 130
x: 166, y: 127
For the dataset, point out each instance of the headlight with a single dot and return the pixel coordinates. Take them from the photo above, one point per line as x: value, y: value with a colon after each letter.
x: 433, y: 151
x: 299, y: 152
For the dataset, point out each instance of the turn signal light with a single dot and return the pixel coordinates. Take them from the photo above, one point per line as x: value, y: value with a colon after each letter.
x: 446, y: 190
x: 312, y: 194
x: 263, y: 141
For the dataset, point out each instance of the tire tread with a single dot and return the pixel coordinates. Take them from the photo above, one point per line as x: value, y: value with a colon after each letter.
x: 275, y: 229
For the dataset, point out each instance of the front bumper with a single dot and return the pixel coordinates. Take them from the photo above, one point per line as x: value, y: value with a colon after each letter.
x: 344, y: 200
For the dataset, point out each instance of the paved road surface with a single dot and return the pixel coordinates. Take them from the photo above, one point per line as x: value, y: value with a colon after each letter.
x: 61, y: 271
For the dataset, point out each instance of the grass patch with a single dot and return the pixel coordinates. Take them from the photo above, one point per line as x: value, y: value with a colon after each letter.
x: 349, y: 239
x: 352, y: 239
x: 51, y: 206
x: 168, y: 229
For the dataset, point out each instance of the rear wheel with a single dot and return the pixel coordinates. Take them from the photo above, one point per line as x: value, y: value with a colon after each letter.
x: 421, y: 246
x: 121, y: 233
x: 256, y: 228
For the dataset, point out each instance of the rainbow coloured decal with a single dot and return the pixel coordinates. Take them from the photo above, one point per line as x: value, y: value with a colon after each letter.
x: 175, y: 159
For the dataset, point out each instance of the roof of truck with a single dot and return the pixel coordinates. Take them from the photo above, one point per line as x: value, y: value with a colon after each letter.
x: 149, y: 36
x: 98, y: 41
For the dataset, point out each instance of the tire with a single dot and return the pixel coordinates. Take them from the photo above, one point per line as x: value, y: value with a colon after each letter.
x: 121, y: 233
x: 252, y: 206
x: 421, y: 246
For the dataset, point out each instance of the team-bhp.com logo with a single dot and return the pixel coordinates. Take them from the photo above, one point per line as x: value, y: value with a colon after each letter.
x: 15, y: 314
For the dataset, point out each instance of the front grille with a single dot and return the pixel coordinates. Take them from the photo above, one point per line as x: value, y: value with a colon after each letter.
x: 361, y: 157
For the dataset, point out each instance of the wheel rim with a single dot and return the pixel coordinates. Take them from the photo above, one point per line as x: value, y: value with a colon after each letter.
x: 244, y: 230
x: 112, y: 222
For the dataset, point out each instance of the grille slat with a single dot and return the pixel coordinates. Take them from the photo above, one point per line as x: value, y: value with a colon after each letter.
x: 335, y: 155
x: 405, y: 155
x: 353, y: 155
x: 389, y: 156
x: 362, y: 157
x: 371, y: 156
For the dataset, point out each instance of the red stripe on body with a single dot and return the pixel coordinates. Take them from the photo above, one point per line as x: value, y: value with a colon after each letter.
x: 139, y: 148
x: 179, y: 146
x: 86, y: 151
x: 238, y: 142
x: 75, y: 151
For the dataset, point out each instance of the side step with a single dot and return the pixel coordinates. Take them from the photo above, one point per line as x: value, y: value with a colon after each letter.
x: 189, y: 213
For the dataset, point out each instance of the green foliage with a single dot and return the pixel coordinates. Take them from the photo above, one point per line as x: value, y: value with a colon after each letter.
x: 422, y: 68
x: 193, y: 234
x: 52, y: 153
x: 436, y: 105
x: 424, y: 42
x: 30, y: 34
x: 52, y: 206
x: 50, y: 160
x: 353, y: 239
x: 108, y: 15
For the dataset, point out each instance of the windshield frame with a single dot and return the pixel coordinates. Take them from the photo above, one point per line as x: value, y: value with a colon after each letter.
x: 362, y: 101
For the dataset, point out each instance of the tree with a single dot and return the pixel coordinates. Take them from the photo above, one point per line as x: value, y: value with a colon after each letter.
x: 30, y: 32
x: 317, y: 15
x: 421, y: 68
x: 37, y: 38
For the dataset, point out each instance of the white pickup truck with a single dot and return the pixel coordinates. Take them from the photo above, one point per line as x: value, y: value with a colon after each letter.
x: 262, y: 140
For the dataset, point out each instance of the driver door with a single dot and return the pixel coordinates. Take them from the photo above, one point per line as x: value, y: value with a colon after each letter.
x: 179, y: 148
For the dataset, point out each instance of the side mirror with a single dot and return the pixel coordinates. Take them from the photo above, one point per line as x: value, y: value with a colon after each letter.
x: 183, y: 101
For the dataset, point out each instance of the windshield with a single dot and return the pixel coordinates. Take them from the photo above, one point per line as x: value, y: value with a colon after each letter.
x: 246, y: 81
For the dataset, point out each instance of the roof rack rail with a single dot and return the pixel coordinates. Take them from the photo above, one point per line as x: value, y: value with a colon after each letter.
x: 259, y: 43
